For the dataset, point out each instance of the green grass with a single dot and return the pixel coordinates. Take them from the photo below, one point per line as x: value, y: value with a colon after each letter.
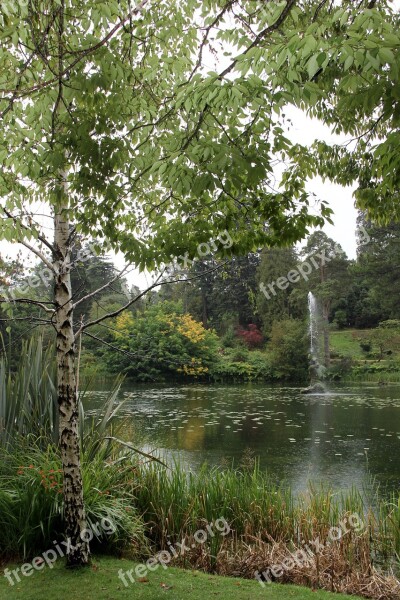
x: 366, y: 366
x: 347, y: 342
x: 101, y: 582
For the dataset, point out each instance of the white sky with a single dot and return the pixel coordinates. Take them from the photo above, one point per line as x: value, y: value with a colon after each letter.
x: 305, y: 130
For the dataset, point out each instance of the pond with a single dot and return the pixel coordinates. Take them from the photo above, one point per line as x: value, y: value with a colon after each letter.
x: 344, y: 437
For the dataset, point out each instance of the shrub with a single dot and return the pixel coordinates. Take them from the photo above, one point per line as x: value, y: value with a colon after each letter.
x: 252, y: 336
x: 162, y: 342
x: 229, y: 339
x: 242, y: 365
x: 340, y: 321
x: 366, y: 346
x: 289, y: 350
x: 390, y: 324
x: 340, y: 369
x: 226, y: 370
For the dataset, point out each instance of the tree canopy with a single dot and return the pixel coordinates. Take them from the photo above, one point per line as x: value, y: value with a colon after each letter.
x: 120, y: 102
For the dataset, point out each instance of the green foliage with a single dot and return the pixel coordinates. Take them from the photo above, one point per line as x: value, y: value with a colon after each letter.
x: 144, y: 131
x: 344, y: 70
x: 386, y: 339
x: 377, y: 272
x: 340, y: 368
x: 229, y: 338
x: 28, y: 404
x: 390, y: 324
x: 329, y: 278
x: 276, y: 304
x: 288, y: 349
x: 28, y: 398
x: 219, y: 294
x: 177, y: 504
x: 160, y: 342
x: 31, y: 505
x: 236, y: 365
x: 366, y: 346
x: 366, y: 355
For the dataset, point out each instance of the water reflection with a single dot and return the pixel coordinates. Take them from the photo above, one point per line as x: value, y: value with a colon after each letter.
x: 337, y: 438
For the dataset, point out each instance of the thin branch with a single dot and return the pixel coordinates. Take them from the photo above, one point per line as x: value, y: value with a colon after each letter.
x: 82, y: 55
x: 121, y: 350
x: 157, y: 283
x: 127, y: 445
x: 29, y: 301
x: 365, y: 133
x: 196, y: 128
x: 41, y: 238
x: 23, y: 69
x: 318, y: 9
x: 103, y: 287
x: 206, y: 35
x: 120, y: 310
x: 282, y: 17
x: 38, y: 254
x: 26, y: 319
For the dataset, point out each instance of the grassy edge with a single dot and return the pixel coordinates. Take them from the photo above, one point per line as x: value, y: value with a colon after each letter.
x: 100, y: 581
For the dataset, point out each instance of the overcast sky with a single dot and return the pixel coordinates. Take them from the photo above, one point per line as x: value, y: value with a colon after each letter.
x: 305, y: 130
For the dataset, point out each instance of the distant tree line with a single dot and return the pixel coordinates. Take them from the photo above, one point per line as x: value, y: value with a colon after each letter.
x: 242, y: 299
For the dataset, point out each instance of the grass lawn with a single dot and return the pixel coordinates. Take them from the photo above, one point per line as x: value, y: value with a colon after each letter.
x: 347, y: 342
x: 101, y: 582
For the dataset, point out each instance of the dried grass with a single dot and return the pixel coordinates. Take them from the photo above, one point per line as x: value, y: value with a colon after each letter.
x: 341, y: 567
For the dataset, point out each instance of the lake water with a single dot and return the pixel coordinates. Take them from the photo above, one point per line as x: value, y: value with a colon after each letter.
x: 342, y: 437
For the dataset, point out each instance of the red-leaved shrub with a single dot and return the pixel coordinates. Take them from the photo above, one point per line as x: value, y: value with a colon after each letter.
x: 251, y: 336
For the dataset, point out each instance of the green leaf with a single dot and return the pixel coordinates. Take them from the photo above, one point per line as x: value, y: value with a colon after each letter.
x: 313, y: 66
x: 386, y: 55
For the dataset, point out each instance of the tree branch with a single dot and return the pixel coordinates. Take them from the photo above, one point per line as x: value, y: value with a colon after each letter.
x: 139, y: 296
x: 282, y: 17
x: 41, y: 238
x: 29, y: 301
x: 82, y: 55
x: 27, y: 319
x: 38, y: 254
x: 103, y: 287
x: 120, y: 310
x: 318, y: 9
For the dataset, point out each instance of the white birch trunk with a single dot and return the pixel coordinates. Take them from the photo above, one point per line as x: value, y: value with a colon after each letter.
x: 74, y: 511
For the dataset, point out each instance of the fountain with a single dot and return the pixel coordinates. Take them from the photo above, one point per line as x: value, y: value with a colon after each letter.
x: 317, y: 370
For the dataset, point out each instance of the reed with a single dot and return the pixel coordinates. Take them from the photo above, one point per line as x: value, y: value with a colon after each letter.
x: 176, y: 503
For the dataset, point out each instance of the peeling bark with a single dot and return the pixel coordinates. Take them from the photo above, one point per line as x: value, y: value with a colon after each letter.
x: 74, y: 510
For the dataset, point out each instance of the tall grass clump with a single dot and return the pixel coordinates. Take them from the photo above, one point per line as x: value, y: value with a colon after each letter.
x: 28, y: 397
x: 175, y: 501
x: 31, y: 507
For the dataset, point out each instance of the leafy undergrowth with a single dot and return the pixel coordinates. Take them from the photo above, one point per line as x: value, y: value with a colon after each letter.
x: 101, y: 582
